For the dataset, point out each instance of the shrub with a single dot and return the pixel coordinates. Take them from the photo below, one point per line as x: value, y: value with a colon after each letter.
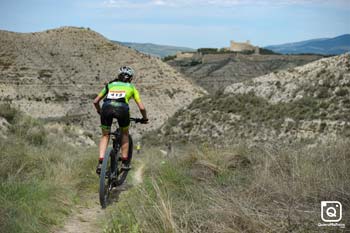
x: 342, y: 92
x: 265, y: 51
x: 37, y: 135
x: 8, y: 112
x: 195, y: 62
x: 322, y: 93
x: 29, y: 129
x: 168, y: 58
x: 207, y: 50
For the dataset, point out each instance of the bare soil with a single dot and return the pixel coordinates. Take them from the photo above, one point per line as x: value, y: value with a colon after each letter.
x: 89, y: 217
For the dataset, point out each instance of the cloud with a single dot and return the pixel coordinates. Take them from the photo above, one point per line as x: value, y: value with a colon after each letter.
x: 121, y: 4
x: 217, y: 3
x: 165, y: 3
x: 159, y: 2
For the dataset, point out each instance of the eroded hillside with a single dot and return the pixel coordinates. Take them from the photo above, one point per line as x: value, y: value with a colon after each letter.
x: 54, y: 75
x: 216, y: 71
x: 311, y: 102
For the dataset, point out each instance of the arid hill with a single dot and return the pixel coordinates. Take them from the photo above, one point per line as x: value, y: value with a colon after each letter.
x: 217, y: 71
x: 311, y: 102
x: 55, y: 75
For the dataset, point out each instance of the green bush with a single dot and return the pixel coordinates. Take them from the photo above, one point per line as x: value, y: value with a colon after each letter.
x: 342, y: 92
x: 8, y: 112
x: 264, y: 51
x: 195, y: 62
x: 37, y: 135
x: 323, y: 93
x: 168, y: 58
x: 207, y: 50
x: 30, y: 129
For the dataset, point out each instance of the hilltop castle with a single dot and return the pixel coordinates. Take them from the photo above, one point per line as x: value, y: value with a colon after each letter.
x: 234, y: 47
x: 242, y: 46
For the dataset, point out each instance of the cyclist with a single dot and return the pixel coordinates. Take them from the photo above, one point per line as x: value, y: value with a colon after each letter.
x: 116, y: 95
x: 138, y: 147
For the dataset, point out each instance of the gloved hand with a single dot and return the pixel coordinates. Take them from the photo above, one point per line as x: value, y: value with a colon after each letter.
x: 144, y: 121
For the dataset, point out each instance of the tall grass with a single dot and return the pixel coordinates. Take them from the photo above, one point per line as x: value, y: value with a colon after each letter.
x: 41, y: 178
x: 267, y: 188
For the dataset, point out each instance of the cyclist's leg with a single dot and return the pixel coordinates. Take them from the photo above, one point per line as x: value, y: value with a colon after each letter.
x: 106, y: 122
x: 123, y: 118
x: 125, y: 143
x: 103, y: 143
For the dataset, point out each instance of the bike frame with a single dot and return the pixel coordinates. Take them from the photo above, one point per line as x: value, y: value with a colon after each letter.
x: 112, y: 174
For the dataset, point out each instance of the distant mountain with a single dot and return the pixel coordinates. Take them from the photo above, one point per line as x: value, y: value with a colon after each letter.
x: 326, y: 46
x: 155, y: 49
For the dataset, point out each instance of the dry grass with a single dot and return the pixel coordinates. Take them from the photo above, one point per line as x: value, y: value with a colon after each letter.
x: 40, y: 179
x: 266, y: 188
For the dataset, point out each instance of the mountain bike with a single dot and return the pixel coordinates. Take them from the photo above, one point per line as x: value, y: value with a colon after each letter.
x: 112, y: 175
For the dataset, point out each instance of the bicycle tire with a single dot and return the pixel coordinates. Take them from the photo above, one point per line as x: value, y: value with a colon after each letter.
x: 122, y: 174
x: 105, y: 179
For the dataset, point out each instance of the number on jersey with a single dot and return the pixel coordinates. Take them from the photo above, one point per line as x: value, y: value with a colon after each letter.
x: 116, y: 95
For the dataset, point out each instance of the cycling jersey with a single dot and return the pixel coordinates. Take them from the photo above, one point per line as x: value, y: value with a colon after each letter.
x: 120, y: 92
x: 117, y: 95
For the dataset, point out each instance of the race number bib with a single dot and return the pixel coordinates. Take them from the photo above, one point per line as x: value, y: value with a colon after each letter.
x: 116, y: 95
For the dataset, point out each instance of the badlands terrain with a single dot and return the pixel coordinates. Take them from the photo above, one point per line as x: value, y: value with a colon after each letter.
x: 214, y: 72
x: 55, y: 75
x: 257, y: 151
x: 310, y: 102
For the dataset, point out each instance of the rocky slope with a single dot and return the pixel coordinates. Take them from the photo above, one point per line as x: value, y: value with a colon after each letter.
x: 309, y: 103
x: 216, y: 71
x: 55, y: 75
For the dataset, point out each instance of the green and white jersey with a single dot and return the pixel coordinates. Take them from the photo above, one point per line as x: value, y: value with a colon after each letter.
x: 120, y: 90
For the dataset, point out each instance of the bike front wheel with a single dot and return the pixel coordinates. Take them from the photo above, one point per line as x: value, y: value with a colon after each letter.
x: 106, y: 182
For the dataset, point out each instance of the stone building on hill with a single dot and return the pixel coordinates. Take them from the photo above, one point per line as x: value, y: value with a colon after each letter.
x: 242, y: 46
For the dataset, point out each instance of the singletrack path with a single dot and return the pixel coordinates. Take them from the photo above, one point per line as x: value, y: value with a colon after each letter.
x: 88, y: 217
x: 138, y: 177
x: 85, y: 218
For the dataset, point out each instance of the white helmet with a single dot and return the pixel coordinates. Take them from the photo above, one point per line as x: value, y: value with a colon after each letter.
x: 125, y: 70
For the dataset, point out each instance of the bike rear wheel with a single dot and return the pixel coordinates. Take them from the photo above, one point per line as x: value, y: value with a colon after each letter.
x: 106, y: 181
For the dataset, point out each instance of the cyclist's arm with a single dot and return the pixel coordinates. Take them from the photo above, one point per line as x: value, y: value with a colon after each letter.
x: 142, y: 110
x: 140, y: 104
x: 98, y: 98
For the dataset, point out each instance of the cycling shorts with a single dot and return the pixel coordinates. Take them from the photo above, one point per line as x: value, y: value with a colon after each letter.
x: 117, y: 110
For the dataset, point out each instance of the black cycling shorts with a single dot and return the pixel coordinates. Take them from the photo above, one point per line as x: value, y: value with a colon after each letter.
x: 111, y: 110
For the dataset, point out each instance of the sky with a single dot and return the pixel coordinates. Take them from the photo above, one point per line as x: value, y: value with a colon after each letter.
x: 189, y: 23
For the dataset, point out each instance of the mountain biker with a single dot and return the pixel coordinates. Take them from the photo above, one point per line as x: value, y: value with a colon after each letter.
x: 138, y: 147
x: 116, y: 95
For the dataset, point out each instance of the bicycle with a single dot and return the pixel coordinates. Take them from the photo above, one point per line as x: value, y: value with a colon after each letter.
x: 111, y: 174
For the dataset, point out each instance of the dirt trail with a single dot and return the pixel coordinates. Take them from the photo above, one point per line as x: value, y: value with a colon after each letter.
x: 138, y: 177
x: 86, y: 218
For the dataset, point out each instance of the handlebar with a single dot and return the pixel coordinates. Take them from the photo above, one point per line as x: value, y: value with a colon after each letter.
x: 137, y: 120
